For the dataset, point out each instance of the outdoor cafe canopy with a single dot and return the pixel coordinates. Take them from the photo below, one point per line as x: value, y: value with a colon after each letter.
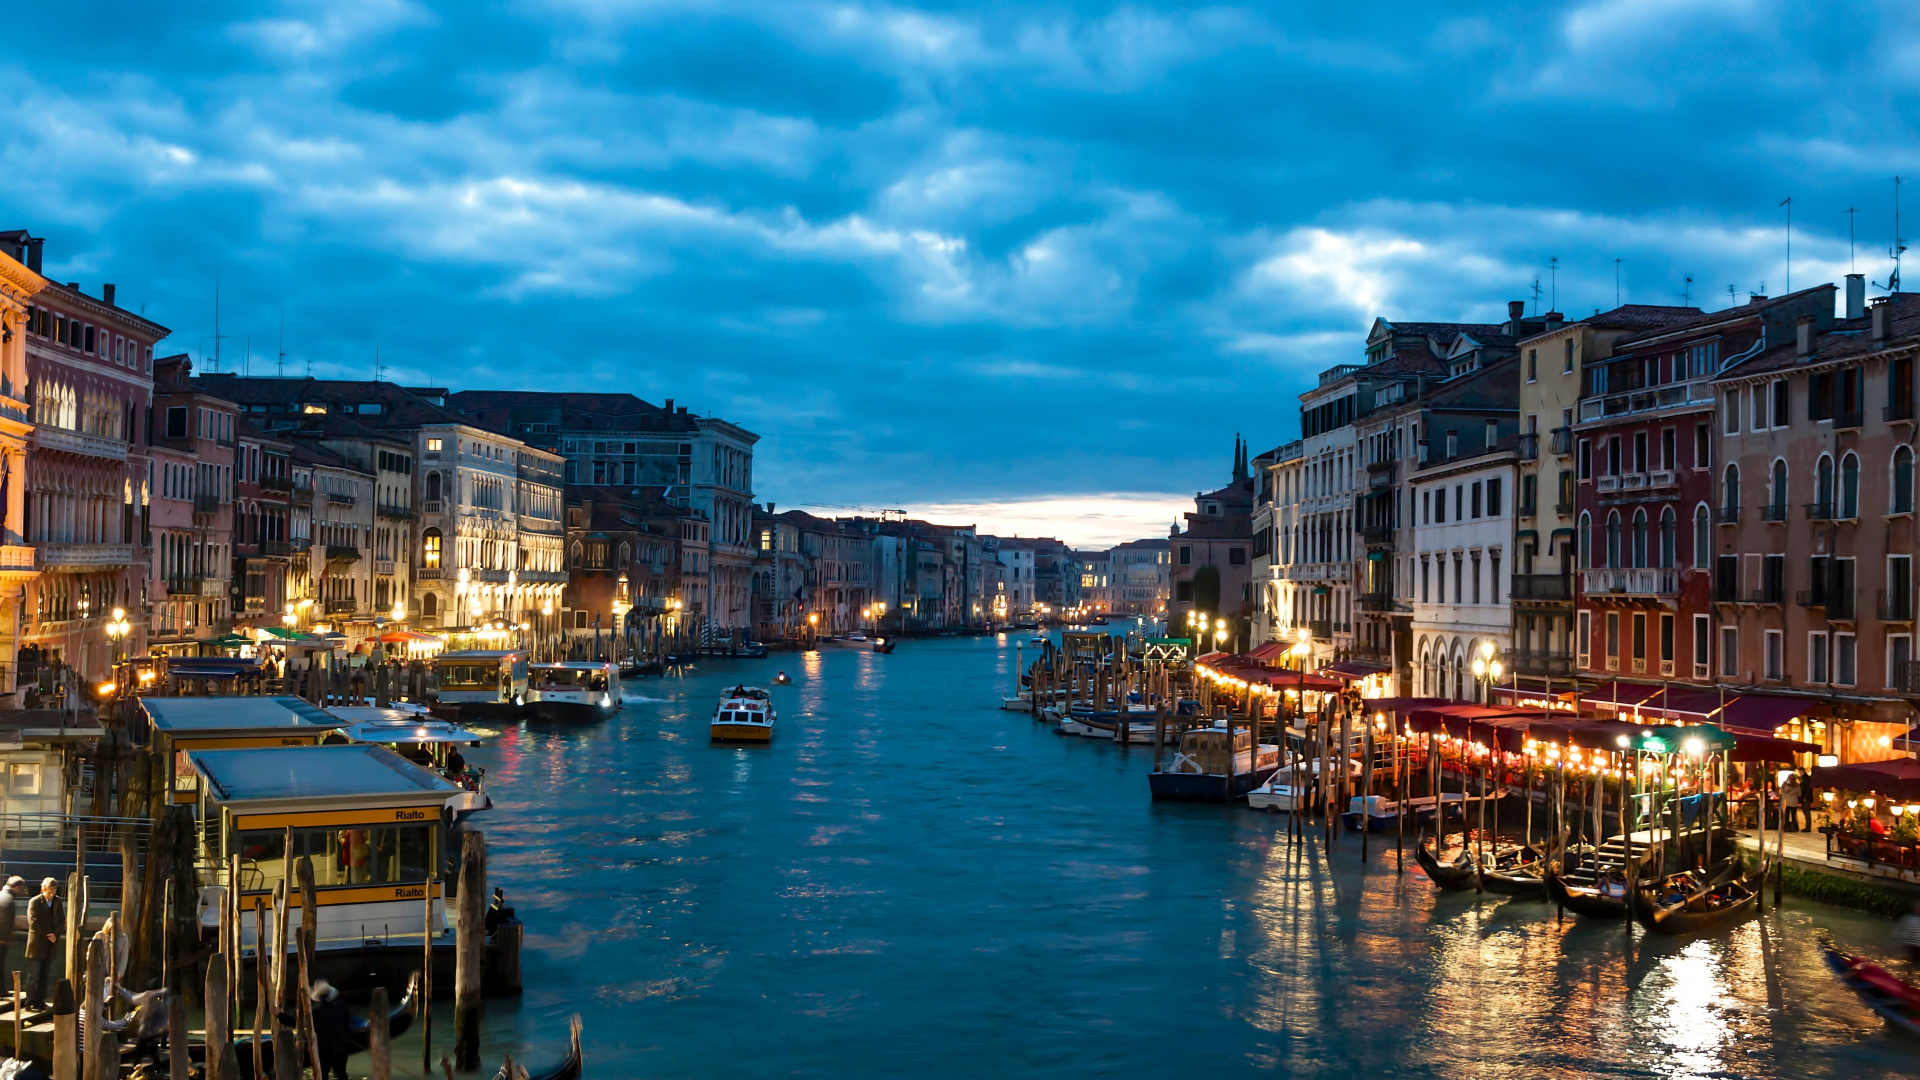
x: 1898, y: 778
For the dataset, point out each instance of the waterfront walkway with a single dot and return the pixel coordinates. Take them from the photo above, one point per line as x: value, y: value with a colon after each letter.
x: 1808, y: 851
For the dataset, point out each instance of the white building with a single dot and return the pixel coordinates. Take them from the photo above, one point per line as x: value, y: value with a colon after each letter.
x: 1461, y: 566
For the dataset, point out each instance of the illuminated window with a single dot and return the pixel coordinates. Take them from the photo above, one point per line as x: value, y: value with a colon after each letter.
x: 430, y: 549
x: 433, y: 446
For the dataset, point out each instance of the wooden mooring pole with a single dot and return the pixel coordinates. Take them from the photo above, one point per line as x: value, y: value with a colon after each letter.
x: 468, y: 954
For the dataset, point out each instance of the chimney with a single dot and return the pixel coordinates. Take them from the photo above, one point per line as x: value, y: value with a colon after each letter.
x: 669, y: 405
x: 1756, y: 298
x: 683, y: 410
x: 34, y: 244
x: 1856, y: 296
x: 769, y: 507
x: 1516, y: 312
x: 1803, y: 336
x: 1554, y: 319
x: 1882, y: 321
x: 106, y: 293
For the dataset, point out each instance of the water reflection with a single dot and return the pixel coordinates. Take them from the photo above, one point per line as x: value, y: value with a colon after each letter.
x: 912, y: 881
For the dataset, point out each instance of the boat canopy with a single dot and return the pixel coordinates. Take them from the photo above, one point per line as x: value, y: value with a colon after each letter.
x: 191, y: 717
x: 336, y: 776
x: 395, y: 726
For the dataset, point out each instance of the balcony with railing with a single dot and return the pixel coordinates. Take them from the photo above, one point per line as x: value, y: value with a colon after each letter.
x: 1376, y: 601
x: 430, y: 506
x: 340, y: 499
x: 1905, y: 676
x: 395, y: 511
x: 275, y: 549
x: 1900, y: 412
x: 84, y: 556
x: 1551, y: 587
x: 301, y: 495
x: 1822, y: 511
x: 275, y: 483
x: 1638, y: 581
x: 428, y: 573
x: 1654, y: 399
x: 1377, y: 532
x: 189, y: 585
x: 1726, y: 515
x: 1564, y: 509
x: 1896, y: 606
x: 17, y: 558
x: 1320, y: 628
x: 206, y: 502
x: 1541, y: 663
x: 1529, y: 446
x: 336, y: 606
x: 342, y: 553
x: 1774, y: 512
x: 47, y: 437
x: 1837, y: 603
x: 1848, y: 420
x: 1562, y: 442
x: 383, y: 566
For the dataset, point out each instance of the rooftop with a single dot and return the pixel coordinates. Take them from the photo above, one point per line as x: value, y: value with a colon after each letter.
x: 315, y: 772
x: 185, y: 715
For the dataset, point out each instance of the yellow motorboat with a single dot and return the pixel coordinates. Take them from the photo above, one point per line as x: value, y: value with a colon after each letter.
x: 744, y: 715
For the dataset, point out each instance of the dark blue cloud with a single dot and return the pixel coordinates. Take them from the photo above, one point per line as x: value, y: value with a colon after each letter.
x: 947, y: 252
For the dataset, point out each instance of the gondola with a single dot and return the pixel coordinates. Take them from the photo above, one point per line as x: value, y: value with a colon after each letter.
x: 1591, y: 901
x: 569, y: 1067
x: 1519, y: 872
x: 1897, y: 1001
x: 399, y: 1022
x: 1728, y: 897
x: 1455, y: 876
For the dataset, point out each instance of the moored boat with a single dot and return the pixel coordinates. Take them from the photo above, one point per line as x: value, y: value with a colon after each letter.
x: 1454, y: 874
x: 1203, y: 768
x: 745, y: 715
x: 1680, y: 904
x: 574, y: 690
x: 1515, y: 871
x: 481, y: 683
x: 1605, y: 899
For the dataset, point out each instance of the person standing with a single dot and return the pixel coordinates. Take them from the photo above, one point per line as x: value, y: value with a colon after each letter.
x: 10, y: 936
x: 1790, y: 804
x: 1806, y: 799
x: 45, y: 916
x: 331, y: 1030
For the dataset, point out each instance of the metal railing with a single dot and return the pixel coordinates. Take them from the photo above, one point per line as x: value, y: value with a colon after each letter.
x: 206, y: 503
x: 42, y: 845
x: 1905, y: 676
x: 1822, y: 511
x: 1848, y: 420
x: 342, y: 553
x: 1774, y: 512
x: 1562, y: 442
x: 1636, y: 581
x: 1530, y: 446
x: 340, y: 607
x: 1541, y: 663
x: 1320, y: 628
x: 393, y: 510
x: 1726, y: 515
x: 275, y: 483
x: 1541, y: 587
x: 1896, y: 412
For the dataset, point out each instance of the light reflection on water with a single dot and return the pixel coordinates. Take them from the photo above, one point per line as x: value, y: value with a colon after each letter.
x: 912, y: 881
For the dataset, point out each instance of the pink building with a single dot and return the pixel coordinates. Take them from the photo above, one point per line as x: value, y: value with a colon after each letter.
x: 191, y: 517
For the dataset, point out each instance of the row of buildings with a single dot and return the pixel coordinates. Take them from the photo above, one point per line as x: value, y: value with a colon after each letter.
x: 150, y: 507
x: 1652, y: 495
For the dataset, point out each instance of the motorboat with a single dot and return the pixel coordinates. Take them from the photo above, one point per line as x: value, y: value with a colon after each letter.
x: 745, y: 715
x: 753, y: 650
x: 1893, y: 999
x: 855, y: 636
x: 884, y: 645
x: 574, y: 690
x: 1206, y: 768
x: 782, y: 679
x: 428, y: 742
x: 481, y: 683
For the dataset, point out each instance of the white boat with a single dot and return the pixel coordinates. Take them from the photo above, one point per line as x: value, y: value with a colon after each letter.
x: 745, y: 715
x: 1278, y: 794
x: 574, y: 690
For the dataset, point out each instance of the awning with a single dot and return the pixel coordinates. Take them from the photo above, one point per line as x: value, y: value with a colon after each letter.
x: 407, y: 637
x: 1767, y: 748
x: 1284, y: 679
x: 1272, y: 650
x: 1354, y: 669
x: 1211, y: 658
x: 1761, y: 714
x: 1619, y: 695
x: 1899, y: 778
x: 1506, y: 728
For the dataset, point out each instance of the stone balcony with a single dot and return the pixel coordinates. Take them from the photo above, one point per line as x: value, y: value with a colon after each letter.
x: 1644, y: 581
x: 74, y: 442
x: 58, y: 556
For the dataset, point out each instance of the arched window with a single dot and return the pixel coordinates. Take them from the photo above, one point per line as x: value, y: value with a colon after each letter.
x: 1613, y: 538
x: 430, y: 549
x: 1702, y: 537
x: 429, y: 606
x: 1639, y: 537
x: 1730, y: 489
x: 1669, y: 538
x: 1823, y: 487
x: 579, y: 553
x: 1779, y: 493
x: 1586, y: 540
x: 626, y: 554
x: 1850, y: 486
x: 1903, y: 481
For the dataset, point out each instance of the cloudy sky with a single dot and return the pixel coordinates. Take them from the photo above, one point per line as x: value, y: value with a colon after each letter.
x: 1014, y: 261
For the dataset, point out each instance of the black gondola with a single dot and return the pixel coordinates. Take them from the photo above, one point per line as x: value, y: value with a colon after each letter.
x: 399, y: 1022
x: 1728, y: 897
x: 569, y: 1067
x: 1594, y: 902
x: 1517, y: 872
x: 1456, y: 876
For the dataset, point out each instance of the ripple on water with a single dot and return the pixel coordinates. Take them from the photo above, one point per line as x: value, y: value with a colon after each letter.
x: 910, y: 881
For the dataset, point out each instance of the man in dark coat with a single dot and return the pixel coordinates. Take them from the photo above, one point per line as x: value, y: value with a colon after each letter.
x: 46, y: 917
x: 10, y: 936
x: 332, y: 1030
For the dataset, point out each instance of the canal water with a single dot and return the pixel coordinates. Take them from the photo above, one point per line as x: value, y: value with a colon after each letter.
x: 912, y: 882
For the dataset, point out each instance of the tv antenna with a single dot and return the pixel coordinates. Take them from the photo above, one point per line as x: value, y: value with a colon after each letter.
x: 280, y: 363
x: 1616, y: 283
x: 1536, y: 294
x: 1851, y: 210
x: 1732, y: 297
x: 376, y: 361
x: 217, y: 336
x: 1893, y: 279
x: 1788, y: 203
x: 1553, y: 294
x: 1686, y: 291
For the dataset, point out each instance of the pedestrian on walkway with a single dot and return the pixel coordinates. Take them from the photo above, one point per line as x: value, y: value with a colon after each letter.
x: 1790, y: 803
x: 1806, y: 799
x: 44, y: 917
x: 10, y: 936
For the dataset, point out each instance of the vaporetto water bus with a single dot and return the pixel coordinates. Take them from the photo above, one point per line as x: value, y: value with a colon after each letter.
x: 574, y: 690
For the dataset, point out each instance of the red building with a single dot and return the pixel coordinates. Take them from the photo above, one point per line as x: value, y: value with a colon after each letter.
x: 1648, y: 494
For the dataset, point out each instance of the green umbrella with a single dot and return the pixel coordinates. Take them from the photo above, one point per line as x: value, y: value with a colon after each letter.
x: 230, y: 641
x: 285, y: 633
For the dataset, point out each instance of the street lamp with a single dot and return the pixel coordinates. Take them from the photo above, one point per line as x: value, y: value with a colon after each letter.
x: 1487, y: 670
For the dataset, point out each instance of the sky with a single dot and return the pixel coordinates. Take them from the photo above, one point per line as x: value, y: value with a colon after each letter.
x: 1036, y: 264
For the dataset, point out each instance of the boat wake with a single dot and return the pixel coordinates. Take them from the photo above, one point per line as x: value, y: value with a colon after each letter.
x: 642, y: 699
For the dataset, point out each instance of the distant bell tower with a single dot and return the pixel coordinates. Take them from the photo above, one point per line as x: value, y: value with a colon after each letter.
x: 1239, y: 457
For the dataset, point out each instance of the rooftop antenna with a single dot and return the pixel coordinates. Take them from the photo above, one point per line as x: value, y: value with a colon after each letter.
x: 376, y: 361
x: 1732, y: 297
x: 216, y: 321
x: 1536, y: 294
x: 280, y: 362
x: 246, y: 359
x: 1850, y: 212
x: 1893, y: 279
x: 1616, y: 283
x: 1788, y: 203
x: 1553, y: 294
x: 1686, y: 292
